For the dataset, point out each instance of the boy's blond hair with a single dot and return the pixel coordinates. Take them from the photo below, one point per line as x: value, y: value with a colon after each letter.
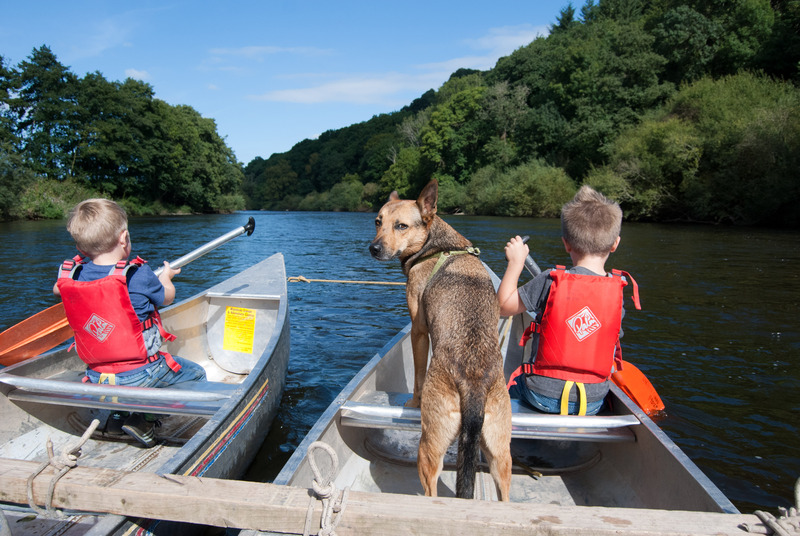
x: 591, y: 222
x: 95, y: 225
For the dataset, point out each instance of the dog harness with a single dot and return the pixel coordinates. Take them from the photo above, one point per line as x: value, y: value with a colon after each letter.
x: 108, y: 332
x: 444, y: 256
x: 579, y: 331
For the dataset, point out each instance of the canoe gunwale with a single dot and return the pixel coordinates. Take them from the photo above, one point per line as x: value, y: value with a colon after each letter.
x: 332, y: 427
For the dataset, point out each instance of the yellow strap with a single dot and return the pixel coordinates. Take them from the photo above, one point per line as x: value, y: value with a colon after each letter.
x: 111, y: 377
x: 581, y: 397
x: 112, y: 380
x: 565, y: 397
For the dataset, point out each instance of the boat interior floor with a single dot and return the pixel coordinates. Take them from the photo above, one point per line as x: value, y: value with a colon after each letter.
x: 102, y: 449
x: 545, y: 470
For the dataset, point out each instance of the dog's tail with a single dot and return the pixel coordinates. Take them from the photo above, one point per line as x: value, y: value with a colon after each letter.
x: 472, y: 413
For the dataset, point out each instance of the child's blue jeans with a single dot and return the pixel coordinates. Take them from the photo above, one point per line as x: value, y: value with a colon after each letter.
x: 546, y: 404
x: 156, y: 374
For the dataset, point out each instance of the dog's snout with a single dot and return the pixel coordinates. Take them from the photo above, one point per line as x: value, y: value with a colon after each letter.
x: 375, y: 249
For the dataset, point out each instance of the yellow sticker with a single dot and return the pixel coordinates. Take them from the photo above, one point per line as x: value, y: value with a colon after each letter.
x: 240, y: 329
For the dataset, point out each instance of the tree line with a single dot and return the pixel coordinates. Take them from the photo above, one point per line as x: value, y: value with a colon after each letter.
x: 680, y: 110
x: 65, y: 138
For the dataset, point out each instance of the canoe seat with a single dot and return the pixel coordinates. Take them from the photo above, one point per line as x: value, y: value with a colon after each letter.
x: 386, y: 410
x: 179, y: 399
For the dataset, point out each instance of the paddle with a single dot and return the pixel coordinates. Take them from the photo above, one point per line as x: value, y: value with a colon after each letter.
x: 49, y: 328
x: 629, y: 378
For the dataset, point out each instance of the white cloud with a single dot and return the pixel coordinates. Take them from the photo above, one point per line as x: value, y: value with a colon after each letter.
x: 393, y: 88
x: 506, y: 39
x: 389, y: 89
x: 137, y: 74
x: 102, y: 36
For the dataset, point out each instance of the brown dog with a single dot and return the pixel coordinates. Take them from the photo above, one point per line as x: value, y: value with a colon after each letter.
x: 451, y: 298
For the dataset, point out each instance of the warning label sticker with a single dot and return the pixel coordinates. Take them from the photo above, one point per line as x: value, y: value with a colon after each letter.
x: 240, y: 330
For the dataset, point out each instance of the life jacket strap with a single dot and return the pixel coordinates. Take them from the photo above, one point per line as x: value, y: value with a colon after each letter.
x: 535, y: 327
x: 171, y: 363
x: 581, y: 397
x: 620, y: 273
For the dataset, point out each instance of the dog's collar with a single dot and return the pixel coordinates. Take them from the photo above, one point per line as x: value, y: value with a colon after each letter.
x: 443, y: 256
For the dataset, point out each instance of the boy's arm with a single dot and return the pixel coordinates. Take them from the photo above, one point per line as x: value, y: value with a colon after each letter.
x: 507, y: 293
x: 165, y: 277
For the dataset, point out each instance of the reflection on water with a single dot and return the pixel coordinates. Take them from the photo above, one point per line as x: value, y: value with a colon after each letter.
x: 717, y: 335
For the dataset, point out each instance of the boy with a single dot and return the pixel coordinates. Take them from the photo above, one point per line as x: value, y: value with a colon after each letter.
x: 112, y: 306
x: 578, y: 312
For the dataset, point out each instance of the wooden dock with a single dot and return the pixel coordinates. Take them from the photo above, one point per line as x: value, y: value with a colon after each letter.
x: 282, y: 509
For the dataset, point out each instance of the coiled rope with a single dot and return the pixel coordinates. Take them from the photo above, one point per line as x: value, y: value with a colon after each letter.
x: 303, y: 279
x: 788, y: 524
x: 325, y: 489
x: 62, y: 463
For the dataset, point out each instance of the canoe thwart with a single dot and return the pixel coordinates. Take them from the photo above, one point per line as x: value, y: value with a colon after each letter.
x: 386, y: 411
x: 169, y: 400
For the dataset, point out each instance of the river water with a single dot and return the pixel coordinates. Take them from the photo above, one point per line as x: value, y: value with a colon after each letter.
x: 717, y: 335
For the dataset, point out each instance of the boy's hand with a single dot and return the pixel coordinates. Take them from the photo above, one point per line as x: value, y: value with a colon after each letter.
x: 516, y: 251
x: 166, y: 279
x: 170, y: 272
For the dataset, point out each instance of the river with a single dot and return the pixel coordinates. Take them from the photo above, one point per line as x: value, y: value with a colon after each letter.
x: 717, y: 335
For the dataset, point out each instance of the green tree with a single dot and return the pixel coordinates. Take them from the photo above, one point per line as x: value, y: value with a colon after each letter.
x: 689, y: 41
x: 452, y: 138
x: 721, y: 150
x: 347, y: 194
x: 275, y: 183
x: 45, y: 112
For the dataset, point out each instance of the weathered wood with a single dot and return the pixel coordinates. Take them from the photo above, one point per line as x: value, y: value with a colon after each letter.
x: 269, y: 507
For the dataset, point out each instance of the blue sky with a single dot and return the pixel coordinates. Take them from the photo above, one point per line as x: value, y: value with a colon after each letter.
x: 274, y: 73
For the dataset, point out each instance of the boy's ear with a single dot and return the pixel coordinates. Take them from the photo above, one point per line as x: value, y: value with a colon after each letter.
x: 616, y: 244
x: 427, y: 201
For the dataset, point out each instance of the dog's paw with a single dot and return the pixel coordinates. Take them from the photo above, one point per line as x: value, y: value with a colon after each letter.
x: 412, y: 403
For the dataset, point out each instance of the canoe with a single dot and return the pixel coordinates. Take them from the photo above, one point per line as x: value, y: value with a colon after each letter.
x: 620, y: 459
x: 238, y: 330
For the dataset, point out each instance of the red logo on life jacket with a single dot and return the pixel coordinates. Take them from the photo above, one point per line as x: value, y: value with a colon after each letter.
x: 98, y: 328
x: 583, y: 323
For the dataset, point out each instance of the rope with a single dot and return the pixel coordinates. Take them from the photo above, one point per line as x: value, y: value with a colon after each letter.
x: 303, y: 279
x: 324, y: 488
x: 63, y: 463
x: 788, y: 524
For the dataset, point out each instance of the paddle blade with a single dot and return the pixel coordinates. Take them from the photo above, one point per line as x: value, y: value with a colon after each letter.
x: 34, y: 335
x: 635, y: 384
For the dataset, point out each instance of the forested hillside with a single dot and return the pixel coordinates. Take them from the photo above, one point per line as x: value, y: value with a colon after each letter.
x: 681, y: 110
x: 64, y: 138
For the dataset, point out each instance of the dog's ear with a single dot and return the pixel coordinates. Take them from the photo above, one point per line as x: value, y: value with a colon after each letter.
x: 427, y: 201
x: 394, y: 196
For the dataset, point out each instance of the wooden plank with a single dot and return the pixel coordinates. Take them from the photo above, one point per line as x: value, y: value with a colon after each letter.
x: 269, y: 507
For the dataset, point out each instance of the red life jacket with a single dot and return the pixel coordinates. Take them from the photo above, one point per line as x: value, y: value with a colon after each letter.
x: 108, y: 332
x: 579, y: 330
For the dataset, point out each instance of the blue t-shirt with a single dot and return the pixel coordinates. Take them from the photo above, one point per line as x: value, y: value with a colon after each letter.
x: 144, y: 288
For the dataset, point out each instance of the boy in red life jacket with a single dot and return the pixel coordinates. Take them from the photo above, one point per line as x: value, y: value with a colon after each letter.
x: 112, y: 306
x: 578, y: 312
